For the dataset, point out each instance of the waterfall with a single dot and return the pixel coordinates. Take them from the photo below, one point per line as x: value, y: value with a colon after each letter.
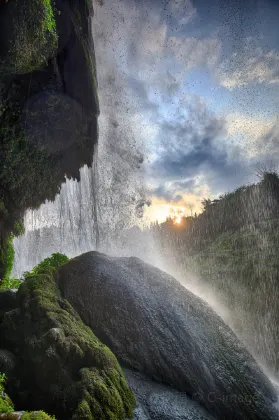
x: 68, y: 225
x: 77, y: 221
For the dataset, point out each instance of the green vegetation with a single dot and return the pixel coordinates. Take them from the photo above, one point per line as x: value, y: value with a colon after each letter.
x: 6, y: 405
x: 81, y: 377
x: 232, y: 248
x: 48, y: 266
x: 32, y: 37
x: 6, y: 258
x: 10, y: 283
x: 37, y: 415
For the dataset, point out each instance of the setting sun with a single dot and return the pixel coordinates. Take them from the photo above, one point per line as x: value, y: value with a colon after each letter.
x: 160, y: 210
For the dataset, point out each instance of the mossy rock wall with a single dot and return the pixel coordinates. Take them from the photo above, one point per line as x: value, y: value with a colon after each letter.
x: 29, y: 36
x: 62, y: 367
x: 48, y: 103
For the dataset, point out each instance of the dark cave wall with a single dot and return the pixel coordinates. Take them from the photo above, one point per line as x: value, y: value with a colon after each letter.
x: 48, y: 103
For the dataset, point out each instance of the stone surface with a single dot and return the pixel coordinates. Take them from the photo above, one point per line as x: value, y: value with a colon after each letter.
x: 156, y: 326
x: 7, y: 362
x: 160, y: 402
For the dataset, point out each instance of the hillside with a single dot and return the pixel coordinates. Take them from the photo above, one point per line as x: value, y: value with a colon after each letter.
x: 232, y: 248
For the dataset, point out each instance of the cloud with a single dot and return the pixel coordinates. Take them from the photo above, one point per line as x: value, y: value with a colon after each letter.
x: 249, y: 132
x: 195, y: 152
x: 192, y: 52
x: 270, y: 146
x: 256, y: 137
x: 250, y: 65
x: 182, y: 10
x: 190, y: 141
x: 172, y: 191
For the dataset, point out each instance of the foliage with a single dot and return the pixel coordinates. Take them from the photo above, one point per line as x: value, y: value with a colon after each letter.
x: 48, y: 266
x: 246, y: 206
x: 6, y: 405
x: 6, y: 258
x: 37, y: 415
x: 81, y: 377
x: 10, y: 283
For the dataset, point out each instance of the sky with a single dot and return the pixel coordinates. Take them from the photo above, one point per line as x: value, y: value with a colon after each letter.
x: 189, y: 96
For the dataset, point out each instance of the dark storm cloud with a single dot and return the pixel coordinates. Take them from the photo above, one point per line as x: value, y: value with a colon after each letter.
x: 196, y: 145
x: 190, y: 141
x: 184, y: 164
x: 169, y: 191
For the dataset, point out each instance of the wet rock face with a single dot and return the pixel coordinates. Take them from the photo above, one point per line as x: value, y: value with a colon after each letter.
x: 156, y: 326
x: 160, y: 402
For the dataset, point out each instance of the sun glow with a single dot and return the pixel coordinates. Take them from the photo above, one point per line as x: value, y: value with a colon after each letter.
x: 178, y: 220
x: 160, y: 210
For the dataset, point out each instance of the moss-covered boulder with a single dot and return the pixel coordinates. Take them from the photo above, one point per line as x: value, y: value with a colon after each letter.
x: 61, y: 367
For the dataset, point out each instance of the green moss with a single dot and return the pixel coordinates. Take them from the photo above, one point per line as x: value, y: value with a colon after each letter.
x: 81, y: 378
x: 6, y: 405
x: 48, y: 265
x: 83, y: 411
x: 37, y: 415
x: 32, y: 37
x: 10, y: 283
x: 6, y: 258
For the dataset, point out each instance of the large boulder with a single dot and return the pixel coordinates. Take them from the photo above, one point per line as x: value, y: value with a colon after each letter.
x: 156, y: 326
x: 161, y: 402
x: 59, y: 365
